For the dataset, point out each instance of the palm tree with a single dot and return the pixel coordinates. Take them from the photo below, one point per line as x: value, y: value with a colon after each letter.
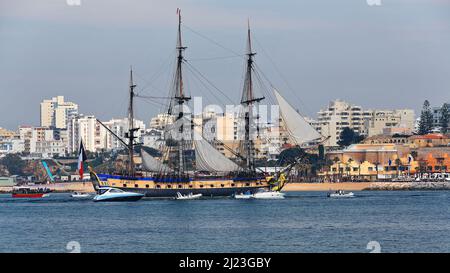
x: 349, y: 166
x: 398, y: 162
x: 335, y: 161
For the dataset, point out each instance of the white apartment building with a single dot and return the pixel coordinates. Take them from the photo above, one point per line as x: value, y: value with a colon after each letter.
x: 11, y: 146
x: 42, y: 141
x: 88, y: 129
x: 56, y: 112
x: 340, y: 114
x: 381, y: 120
x: 161, y: 121
x: 50, y: 148
x: 120, y: 127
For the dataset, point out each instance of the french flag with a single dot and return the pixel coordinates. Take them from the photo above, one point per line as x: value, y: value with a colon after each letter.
x: 81, y: 158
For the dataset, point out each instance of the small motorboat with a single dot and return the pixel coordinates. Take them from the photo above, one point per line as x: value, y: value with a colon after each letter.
x: 266, y: 194
x: 340, y: 194
x: 243, y: 195
x: 189, y: 196
x: 27, y: 192
x: 108, y: 194
x: 80, y: 195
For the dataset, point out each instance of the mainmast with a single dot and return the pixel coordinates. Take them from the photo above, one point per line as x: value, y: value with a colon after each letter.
x: 180, y: 97
x: 248, y: 100
x: 131, y: 129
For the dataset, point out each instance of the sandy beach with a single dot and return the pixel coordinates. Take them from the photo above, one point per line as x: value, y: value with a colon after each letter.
x: 348, y: 186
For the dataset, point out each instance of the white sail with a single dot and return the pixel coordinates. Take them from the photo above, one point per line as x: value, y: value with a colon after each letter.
x: 207, y: 158
x: 152, y: 164
x: 299, y: 129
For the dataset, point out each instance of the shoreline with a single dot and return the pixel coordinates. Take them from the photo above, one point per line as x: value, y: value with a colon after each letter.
x: 68, y: 187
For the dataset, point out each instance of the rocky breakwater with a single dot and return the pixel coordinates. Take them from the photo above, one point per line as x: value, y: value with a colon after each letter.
x: 408, y: 186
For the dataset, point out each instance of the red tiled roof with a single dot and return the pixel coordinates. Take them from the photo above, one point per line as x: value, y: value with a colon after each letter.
x: 430, y: 136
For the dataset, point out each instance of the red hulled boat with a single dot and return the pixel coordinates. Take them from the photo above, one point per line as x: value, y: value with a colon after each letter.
x: 26, y: 192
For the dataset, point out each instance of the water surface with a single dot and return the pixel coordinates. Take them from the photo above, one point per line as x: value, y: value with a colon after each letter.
x: 402, y: 221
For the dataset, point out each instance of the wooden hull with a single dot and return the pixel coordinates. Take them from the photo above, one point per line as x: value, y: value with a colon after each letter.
x: 207, y: 187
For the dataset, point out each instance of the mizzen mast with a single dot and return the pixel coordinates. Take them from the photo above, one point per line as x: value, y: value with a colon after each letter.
x: 131, y: 129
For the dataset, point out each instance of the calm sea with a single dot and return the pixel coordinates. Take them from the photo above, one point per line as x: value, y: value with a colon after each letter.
x: 303, y: 222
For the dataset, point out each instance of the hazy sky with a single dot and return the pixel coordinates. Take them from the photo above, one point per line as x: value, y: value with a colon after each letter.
x: 391, y: 56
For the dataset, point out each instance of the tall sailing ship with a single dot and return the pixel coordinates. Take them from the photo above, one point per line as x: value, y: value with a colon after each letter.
x: 211, y: 173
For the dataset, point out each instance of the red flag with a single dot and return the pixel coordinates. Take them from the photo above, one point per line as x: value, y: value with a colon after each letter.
x: 81, y: 158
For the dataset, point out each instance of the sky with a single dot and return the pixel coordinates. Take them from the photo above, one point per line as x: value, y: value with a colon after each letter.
x: 393, y: 55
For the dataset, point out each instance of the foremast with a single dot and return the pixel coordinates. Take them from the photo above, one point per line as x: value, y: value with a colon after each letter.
x: 248, y: 100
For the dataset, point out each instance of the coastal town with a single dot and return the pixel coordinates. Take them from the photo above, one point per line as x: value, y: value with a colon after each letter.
x: 224, y: 135
x: 361, y: 145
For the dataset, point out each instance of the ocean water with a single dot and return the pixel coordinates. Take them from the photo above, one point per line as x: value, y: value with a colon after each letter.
x: 303, y: 222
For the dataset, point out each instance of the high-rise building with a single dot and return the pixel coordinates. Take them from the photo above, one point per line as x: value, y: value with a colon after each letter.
x: 56, y: 112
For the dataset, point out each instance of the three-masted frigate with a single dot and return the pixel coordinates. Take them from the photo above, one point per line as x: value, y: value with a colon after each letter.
x: 211, y: 173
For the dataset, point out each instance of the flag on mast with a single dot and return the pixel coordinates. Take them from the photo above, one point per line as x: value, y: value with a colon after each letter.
x: 81, y: 158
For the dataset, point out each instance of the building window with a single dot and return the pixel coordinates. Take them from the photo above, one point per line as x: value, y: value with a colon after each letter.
x: 136, y: 185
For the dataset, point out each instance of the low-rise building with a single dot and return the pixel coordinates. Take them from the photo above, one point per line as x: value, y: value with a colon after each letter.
x: 153, y: 139
x: 7, y: 181
x: 429, y: 140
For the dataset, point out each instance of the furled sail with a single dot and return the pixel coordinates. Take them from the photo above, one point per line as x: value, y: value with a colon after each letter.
x: 152, y: 164
x: 207, y: 158
x: 299, y: 129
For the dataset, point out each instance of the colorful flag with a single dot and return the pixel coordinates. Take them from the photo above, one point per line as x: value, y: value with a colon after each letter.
x: 81, y: 158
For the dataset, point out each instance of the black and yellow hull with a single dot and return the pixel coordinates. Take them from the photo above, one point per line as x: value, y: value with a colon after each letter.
x: 152, y: 187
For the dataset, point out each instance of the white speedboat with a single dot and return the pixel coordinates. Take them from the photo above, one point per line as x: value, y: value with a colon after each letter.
x: 243, y: 195
x: 80, y: 195
x: 113, y: 194
x: 264, y: 194
x: 189, y: 196
x: 340, y: 194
